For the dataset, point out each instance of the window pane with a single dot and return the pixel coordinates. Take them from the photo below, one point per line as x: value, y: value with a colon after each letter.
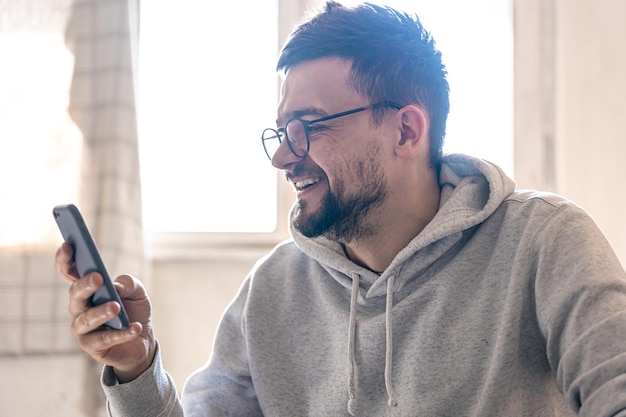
x: 207, y: 88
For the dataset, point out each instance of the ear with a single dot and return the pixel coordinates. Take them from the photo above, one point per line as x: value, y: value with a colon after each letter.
x: 413, y: 132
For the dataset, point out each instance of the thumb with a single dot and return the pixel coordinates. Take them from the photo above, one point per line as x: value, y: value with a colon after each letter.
x: 129, y: 287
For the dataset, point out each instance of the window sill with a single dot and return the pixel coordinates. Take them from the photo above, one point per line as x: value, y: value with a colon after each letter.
x: 170, y: 246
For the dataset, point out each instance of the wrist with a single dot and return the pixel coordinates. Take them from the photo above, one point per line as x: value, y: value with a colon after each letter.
x: 130, y: 373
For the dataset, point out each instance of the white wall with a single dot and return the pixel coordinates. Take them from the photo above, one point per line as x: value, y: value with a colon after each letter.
x: 591, y: 111
x: 570, y: 105
x: 42, y: 386
x: 188, y: 300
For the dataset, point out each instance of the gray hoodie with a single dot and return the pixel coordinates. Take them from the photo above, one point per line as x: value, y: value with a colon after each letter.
x: 508, y: 303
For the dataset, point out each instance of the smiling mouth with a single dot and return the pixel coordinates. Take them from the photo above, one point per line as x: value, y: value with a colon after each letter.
x: 306, y: 183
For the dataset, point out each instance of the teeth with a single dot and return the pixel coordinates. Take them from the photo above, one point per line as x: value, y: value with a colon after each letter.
x: 305, y: 183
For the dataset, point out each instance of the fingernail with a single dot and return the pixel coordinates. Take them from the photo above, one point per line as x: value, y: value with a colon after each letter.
x: 109, y: 310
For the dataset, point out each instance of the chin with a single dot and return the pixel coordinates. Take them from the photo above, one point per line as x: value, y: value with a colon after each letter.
x: 314, y: 223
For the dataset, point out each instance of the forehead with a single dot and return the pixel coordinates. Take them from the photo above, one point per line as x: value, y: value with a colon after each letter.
x: 318, y: 87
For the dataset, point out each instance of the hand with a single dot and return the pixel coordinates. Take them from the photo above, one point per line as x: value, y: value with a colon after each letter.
x: 129, y: 351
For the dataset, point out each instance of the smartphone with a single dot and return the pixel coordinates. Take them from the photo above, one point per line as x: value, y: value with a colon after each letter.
x: 87, y: 258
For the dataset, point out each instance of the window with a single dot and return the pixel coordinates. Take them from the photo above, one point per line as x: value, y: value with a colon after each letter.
x: 207, y: 88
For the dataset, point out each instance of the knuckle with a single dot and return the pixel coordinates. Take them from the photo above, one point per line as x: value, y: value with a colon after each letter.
x: 80, y: 323
x: 83, y: 344
x: 107, y: 338
x: 77, y: 288
x: 71, y: 289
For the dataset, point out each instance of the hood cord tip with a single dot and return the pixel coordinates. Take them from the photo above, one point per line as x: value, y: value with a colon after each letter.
x: 351, y: 404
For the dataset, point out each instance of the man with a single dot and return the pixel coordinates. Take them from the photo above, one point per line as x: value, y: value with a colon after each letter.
x: 414, y: 285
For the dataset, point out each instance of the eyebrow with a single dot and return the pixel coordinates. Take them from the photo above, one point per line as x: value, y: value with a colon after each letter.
x: 310, y: 111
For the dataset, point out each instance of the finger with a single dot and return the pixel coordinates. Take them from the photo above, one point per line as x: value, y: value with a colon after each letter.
x: 80, y: 292
x: 96, y: 343
x: 93, y: 318
x: 64, y: 262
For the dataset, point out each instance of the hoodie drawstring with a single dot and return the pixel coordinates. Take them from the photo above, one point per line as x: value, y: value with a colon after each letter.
x: 392, y: 401
x: 351, y: 335
x: 389, y: 350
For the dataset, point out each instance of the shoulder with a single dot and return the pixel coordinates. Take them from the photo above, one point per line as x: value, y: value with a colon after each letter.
x: 284, y: 251
x: 541, y: 205
x: 542, y: 218
x: 285, y: 257
x: 554, y: 220
x: 538, y: 197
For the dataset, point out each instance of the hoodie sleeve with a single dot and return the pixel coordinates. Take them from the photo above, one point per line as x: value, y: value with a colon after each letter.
x: 580, y: 295
x: 153, y: 393
x: 224, y: 386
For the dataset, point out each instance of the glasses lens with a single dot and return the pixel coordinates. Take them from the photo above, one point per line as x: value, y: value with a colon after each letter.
x: 271, y: 141
x: 297, y: 138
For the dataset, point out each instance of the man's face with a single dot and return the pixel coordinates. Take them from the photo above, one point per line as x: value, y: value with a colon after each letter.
x: 341, y: 184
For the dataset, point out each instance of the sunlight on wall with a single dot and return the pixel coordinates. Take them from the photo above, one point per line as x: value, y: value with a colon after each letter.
x: 39, y: 144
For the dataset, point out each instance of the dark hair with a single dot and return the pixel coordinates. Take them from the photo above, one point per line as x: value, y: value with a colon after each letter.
x: 393, y: 59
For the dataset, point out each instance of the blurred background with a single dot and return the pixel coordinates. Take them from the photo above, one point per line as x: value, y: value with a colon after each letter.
x: 148, y: 115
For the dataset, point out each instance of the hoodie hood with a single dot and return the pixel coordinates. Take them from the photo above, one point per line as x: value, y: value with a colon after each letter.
x: 471, y: 190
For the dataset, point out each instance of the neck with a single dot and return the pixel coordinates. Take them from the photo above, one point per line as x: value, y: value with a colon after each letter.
x: 395, y: 230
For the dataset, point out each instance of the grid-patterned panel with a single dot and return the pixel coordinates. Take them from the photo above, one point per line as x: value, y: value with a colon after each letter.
x: 33, y: 306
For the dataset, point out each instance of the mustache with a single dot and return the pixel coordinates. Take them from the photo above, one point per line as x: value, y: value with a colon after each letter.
x: 302, y: 171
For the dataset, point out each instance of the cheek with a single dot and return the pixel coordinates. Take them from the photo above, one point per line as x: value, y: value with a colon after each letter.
x: 346, y: 160
x: 331, y: 155
x: 345, y: 172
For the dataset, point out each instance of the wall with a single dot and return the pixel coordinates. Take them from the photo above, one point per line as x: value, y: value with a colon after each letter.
x: 590, y: 111
x: 42, y: 386
x: 570, y: 102
x: 189, y: 297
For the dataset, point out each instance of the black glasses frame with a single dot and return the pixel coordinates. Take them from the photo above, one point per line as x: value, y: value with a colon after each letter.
x: 281, y: 132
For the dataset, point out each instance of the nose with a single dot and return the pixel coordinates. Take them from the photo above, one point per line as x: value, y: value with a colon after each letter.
x: 284, y: 157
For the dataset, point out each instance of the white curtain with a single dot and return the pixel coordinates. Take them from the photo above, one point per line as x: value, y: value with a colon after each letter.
x: 67, y: 135
x: 102, y: 37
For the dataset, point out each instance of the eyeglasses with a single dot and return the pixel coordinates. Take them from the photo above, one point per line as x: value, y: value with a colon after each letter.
x: 296, y: 131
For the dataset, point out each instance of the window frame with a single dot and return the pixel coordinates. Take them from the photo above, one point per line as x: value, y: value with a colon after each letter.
x: 223, y: 245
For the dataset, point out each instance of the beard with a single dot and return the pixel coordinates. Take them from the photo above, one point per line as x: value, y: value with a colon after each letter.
x: 342, y: 216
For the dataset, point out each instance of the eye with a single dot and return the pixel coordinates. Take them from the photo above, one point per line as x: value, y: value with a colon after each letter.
x: 316, y: 127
